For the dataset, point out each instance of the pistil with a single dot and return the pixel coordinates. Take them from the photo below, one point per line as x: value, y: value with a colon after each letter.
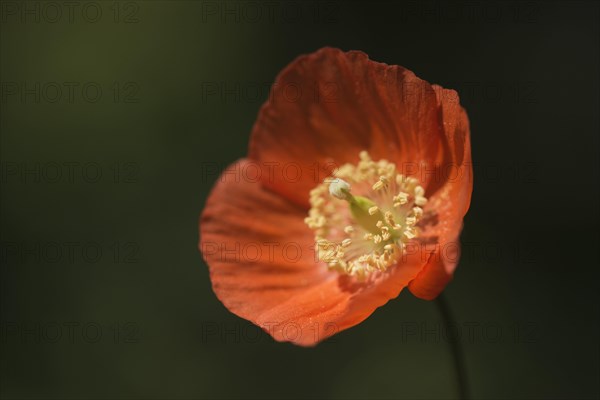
x: 358, y: 234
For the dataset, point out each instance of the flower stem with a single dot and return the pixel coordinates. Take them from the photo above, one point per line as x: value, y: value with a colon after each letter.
x: 455, y: 345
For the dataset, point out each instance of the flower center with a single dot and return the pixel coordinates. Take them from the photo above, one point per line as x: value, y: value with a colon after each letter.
x: 364, y: 216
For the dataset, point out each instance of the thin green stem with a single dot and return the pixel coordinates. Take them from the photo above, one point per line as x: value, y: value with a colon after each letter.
x: 456, y: 347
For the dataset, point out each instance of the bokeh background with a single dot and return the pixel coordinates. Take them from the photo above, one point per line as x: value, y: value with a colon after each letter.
x: 109, y: 138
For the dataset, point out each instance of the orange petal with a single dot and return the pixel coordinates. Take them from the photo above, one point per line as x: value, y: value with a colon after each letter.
x: 327, y: 106
x: 432, y: 279
x: 450, y: 200
x: 263, y: 267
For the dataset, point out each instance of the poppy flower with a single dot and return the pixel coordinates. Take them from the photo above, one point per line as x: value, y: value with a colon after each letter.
x: 355, y: 186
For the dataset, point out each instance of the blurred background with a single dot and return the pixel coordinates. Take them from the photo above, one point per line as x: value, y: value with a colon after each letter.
x: 116, y: 117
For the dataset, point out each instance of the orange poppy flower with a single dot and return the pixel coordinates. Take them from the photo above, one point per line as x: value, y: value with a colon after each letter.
x: 355, y: 186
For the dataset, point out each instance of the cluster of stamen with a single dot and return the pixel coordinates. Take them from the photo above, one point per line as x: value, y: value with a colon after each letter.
x: 364, y: 216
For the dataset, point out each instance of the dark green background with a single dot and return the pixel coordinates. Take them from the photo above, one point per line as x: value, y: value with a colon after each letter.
x: 527, y: 73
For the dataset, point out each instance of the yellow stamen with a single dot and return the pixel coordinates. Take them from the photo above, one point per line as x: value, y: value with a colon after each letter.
x: 364, y: 232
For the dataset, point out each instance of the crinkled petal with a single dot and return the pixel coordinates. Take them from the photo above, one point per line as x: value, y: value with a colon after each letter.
x: 263, y: 267
x: 327, y: 106
x: 450, y: 200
